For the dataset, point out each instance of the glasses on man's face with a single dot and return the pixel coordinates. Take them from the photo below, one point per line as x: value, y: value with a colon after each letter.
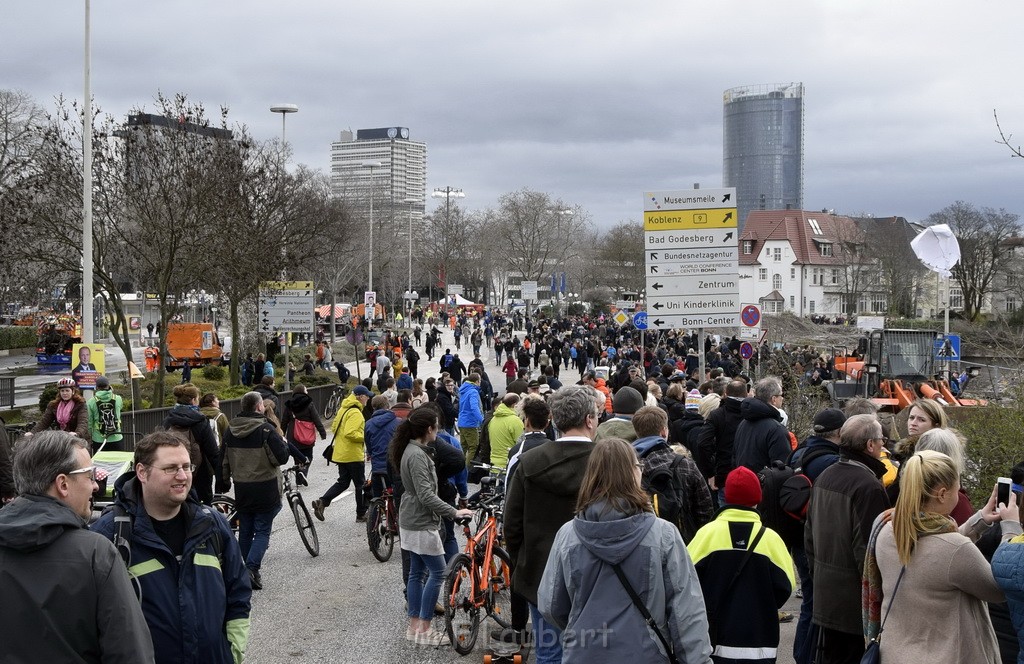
x: 88, y: 471
x: 173, y: 470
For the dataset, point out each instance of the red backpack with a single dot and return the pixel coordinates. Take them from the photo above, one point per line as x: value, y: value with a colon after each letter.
x: 304, y: 432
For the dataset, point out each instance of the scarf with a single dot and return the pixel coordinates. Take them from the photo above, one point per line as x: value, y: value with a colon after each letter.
x: 63, y: 413
x: 871, y: 581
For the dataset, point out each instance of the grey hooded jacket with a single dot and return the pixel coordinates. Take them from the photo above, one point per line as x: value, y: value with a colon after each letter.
x: 580, y: 593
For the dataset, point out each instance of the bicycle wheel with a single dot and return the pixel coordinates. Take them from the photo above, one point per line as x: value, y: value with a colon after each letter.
x: 307, y: 531
x: 499, y: 587
x: 461, y: 618
x: 332, y: 407
x: 226, y: 506
x: 378, y: 535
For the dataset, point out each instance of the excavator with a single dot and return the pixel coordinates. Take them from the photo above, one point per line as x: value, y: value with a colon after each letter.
x: 894, y: 368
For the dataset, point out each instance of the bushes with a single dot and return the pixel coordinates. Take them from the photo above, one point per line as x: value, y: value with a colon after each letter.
x: 17, y: 336
x: 320, y: 377
x: 213, y: 372
x: 993, y: 445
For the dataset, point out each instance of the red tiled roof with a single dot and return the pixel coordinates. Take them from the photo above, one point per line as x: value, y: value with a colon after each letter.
x: 794, y: 226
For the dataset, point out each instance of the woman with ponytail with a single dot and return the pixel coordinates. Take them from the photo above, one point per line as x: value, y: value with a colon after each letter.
x: 938, y: 613
x: 419, y: 520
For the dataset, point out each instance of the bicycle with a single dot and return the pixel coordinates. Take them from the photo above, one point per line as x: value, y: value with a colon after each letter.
x: 479, y: 578
x: 382, y: 525
x: 303, y: 521
x: 333, y: 401
x: 226, y: 506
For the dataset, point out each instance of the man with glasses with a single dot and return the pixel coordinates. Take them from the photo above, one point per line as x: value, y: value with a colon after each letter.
x: 761, y: 438
x: 185, y: 562
x: 541, y: 498
x: 845, y: 500
x: 66, y: 594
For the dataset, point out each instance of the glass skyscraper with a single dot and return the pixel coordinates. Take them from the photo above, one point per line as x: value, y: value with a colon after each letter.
x: 763, y: 147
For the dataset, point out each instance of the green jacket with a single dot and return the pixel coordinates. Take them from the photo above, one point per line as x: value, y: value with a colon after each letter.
x: 421, y: 507
x: 105, y: 396
x: 504, y: 431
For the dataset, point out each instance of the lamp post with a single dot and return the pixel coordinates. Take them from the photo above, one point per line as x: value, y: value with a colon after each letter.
x: 87, y: 320
x: 410, y: 202
x: 371, y: 165
x: 447, y: 194
x: 284, y: 110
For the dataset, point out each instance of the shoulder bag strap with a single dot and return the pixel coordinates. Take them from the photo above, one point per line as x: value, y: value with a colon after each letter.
x: 340, y: 423
x: 644, y: 612
x: 891, y: 600
x: 746, y: 559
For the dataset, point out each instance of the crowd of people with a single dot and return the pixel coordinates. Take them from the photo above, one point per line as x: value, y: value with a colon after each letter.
x: 636, y: 514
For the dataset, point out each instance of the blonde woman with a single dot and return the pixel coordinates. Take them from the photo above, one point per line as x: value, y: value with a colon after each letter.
x: 938, y: 613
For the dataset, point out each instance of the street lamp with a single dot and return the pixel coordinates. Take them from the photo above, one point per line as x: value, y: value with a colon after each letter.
x: 371, y: 165
x: 284, y: 110
x: 447, y: 194
x: 408, y: 294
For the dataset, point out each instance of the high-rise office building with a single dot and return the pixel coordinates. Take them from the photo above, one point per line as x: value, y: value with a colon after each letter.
x: 763, y: 147
x: 401, y: 177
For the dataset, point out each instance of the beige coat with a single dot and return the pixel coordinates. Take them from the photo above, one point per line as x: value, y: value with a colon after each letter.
x: 939, y: 615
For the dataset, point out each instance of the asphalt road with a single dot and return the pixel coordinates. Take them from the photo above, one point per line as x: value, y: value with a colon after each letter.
x: 344, y: 606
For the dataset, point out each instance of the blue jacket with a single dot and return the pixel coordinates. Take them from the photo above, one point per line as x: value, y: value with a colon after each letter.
x: 197, y: 609
x: 819, y: 463
x: 1008, y: 570
x: 404, y: 382
x: 379, y: 430
x: 471, y: 413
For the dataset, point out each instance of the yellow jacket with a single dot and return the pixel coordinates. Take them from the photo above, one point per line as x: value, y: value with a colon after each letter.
x: 348, y: 432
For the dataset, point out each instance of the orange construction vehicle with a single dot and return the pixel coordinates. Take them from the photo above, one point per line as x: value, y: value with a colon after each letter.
x: 893, y: 368
x: 196, y: 341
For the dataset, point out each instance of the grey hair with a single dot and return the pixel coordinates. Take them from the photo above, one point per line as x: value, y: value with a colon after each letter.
x: 571, y: 405
x: 945, y: 441
x: 250, y: 401
x: 767, y: 387
x: 858, y: 430
x: 40, y: 459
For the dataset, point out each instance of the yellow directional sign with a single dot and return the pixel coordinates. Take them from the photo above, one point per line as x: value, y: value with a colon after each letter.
x: 678, y: 220
x: 620, y: 317
x: 286, y: 285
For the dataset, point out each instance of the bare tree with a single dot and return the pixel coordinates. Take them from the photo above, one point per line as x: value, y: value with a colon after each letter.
x: 982, y: 234
x: 1004, y: 138
x: 620, y: 253
x: 534, y: 232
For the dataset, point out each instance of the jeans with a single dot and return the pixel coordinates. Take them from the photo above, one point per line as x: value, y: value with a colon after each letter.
x: 354, y: 472
x: 806, y: 631
x: 254, y: 535
x: 547, y: 639
x: 448, y: 541
x: 379, y: 482
x: 425, y: 575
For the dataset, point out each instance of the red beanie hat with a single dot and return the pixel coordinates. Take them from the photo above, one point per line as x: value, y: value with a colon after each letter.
x: 742, y: 488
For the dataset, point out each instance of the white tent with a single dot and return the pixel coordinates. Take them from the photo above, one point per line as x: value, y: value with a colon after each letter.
x: 459, y: 302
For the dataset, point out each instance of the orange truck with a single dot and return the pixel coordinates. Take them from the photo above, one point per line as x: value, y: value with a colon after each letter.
x: 197, y: 342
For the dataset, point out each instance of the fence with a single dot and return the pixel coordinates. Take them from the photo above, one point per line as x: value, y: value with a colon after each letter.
x: 7, y: 391
x: 137, y: 423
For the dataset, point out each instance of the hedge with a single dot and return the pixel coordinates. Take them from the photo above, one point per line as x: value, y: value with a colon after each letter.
x: 17, y: 336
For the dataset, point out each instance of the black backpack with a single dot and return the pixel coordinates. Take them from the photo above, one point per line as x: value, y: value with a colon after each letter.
x: 785, y: 493
x: 668, y: 493
x: 107, y: 423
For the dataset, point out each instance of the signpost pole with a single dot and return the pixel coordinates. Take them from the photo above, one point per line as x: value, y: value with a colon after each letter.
x: 287, y: 377
x: 701, y: 354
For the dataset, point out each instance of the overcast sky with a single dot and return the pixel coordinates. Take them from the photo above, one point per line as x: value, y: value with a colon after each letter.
x: 594, y: 102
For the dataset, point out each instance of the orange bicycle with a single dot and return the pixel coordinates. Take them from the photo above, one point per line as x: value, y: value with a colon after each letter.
x: 479, y: 579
